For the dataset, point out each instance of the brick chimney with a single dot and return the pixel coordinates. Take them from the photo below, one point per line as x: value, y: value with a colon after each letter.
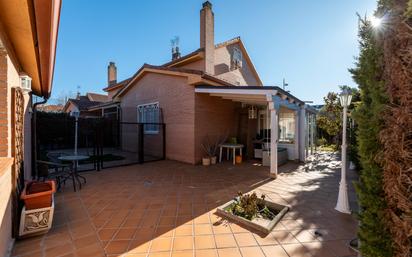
x: 207, y: 37
x: 111, y: 74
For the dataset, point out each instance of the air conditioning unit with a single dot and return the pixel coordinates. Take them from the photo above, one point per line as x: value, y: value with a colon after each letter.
x: 25, y: 82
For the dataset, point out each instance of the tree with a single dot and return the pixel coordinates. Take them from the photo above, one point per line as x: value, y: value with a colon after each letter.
x: 373, y: 232
x: 329, y: 119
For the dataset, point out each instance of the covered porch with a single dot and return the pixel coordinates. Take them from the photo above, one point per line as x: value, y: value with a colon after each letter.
x: 272, y: 124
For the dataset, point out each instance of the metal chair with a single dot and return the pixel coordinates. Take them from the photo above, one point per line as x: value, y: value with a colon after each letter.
x: 53, y: 170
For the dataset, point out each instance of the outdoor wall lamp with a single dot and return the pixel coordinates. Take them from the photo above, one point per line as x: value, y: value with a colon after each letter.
x: 343, y: 202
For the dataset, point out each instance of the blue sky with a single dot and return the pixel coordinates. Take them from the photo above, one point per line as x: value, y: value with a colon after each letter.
x: 309, y: 43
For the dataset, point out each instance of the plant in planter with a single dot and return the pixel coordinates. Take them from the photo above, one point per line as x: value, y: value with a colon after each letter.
x: 210, y: 148
x: 249, y: 206
x: 254, y: 212
x: 37, y: 213
x: 38, y: 195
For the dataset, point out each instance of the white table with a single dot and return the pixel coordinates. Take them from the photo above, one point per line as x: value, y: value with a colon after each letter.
x: 229, y: 147
x: 73, y: 174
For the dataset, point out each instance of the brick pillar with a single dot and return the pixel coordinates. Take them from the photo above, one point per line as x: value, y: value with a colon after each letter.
x: 3, y: 104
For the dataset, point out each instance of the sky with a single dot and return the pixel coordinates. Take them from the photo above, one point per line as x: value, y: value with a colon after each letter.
x: 309, y: 43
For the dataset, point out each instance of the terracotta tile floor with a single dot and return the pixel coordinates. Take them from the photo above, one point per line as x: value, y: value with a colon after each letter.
x: 166, y: 208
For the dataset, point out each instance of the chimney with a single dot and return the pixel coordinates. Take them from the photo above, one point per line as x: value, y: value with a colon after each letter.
x: 175, y: 48
x: 207, y: 41
x: 111, y: 74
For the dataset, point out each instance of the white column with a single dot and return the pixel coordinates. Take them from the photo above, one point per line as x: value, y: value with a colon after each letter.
x: 302, y: 134
x: 296, y: 135
x: 312, y: 133
x: 274, y: 129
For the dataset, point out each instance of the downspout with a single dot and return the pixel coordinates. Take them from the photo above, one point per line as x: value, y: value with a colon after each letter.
x: 34, y: 137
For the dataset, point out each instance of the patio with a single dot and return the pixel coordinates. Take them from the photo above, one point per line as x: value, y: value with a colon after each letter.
x: 166, y: 208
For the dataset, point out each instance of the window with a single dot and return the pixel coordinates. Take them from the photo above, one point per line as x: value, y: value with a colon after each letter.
x: 236, y: 61
x: 149, y: 113
x: 286, y: 127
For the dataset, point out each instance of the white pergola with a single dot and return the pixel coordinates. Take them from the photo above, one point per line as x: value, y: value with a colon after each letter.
x: 273, y: 97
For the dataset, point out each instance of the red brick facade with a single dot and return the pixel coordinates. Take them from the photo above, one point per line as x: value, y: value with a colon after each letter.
x: 3, y: 104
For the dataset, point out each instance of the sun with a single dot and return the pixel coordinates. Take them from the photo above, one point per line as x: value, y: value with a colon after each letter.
x: 376, y: 21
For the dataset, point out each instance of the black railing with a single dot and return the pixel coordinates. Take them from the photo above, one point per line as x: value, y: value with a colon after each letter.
x: 108, y: 142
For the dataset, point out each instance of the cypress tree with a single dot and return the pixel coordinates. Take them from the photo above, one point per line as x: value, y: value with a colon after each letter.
x: 373, y: 233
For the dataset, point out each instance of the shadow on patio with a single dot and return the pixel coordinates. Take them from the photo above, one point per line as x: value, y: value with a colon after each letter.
x: 166, y: 208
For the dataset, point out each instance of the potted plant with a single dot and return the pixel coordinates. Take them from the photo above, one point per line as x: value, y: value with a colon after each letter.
x: 210, y: 147
x: 38, y: 195
x: 253, y: 212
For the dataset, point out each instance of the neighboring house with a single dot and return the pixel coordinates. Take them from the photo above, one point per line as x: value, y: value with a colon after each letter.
x: 28, y: 37
x: 82, y: 104
x: 53, y: 108
x: 209, y: 93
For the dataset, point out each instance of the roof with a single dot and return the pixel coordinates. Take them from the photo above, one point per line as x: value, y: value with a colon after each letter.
x: 104, y: 105
x: 191, y: 57
x: 230, y: 89
x: 117, y: 85
x: 97, y: 97
x: 82, y: 103
x: 28, y: 30
x: 171, y: 71
x: 195, y: 55
x: 50, y: 108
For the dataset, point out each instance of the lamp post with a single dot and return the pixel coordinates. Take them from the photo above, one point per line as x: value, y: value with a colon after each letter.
x: 76, y: 116
x: 343, y: 203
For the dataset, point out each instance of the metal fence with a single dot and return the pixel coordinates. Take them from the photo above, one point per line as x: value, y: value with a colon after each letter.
x: 108, y: 142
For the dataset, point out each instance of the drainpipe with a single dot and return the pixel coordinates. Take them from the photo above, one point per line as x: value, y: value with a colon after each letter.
x: 34, y: 137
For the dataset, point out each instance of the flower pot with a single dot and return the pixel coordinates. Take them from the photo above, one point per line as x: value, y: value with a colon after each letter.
x: 238, y: 159
x: 206, y: 161
x: 37, y: 195
x: 213, y: 160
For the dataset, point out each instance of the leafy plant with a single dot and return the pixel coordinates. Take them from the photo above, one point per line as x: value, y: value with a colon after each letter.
x: 210, y: 147
x: 250, y: 206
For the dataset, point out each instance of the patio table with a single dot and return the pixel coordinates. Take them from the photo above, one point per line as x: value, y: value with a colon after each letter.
x: 229, y: 147
x: 73, y: 173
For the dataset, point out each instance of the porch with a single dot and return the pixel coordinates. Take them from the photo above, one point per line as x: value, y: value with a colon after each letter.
x: 166, y: 208
x: 271, y: 124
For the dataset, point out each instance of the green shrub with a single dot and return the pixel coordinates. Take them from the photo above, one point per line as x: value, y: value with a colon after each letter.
x: 322, y: 141
x: 373, y: 233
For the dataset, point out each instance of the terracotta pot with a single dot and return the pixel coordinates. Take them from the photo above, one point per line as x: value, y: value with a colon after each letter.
x: 213, y: 160
x: 238, y: 159
x: 206, y: 161
x: 38, y: 195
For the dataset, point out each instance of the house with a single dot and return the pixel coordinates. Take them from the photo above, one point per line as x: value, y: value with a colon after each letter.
x: 51, y: 108
x: 28, y: 37
x: 211, y: 93
x: 82, y: 104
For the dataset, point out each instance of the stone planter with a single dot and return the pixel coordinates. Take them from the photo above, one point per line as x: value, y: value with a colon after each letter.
x: 259, y: 224
x: 36, y: 221
x: 213, y: 160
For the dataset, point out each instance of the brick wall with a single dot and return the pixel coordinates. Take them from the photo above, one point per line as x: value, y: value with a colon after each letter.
x: 3, y: 104
x: 214, y: 118
x: 176, y: 99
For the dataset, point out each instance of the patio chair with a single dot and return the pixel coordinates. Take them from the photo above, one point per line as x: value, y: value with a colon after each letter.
x: 52, y: 170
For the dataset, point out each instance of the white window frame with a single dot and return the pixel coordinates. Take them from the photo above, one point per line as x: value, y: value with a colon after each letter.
x: 149, y: 129
x: 236, y: 63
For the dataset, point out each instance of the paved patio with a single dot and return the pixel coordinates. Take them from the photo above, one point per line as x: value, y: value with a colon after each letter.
x: 166, y: 208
